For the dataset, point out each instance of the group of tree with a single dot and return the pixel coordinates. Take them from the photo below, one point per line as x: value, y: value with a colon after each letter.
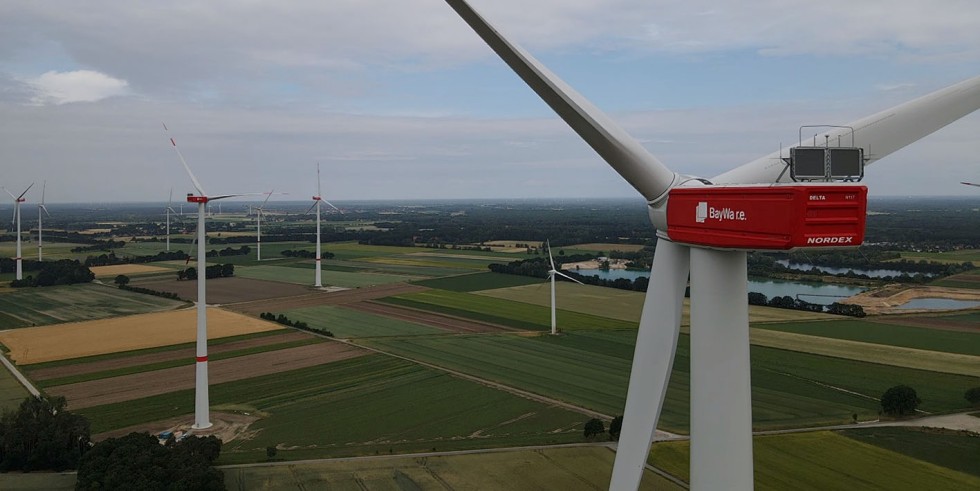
x: 282, y: 319
x: 42, y: 435
x: 139, y: 461
x: 788, y: 302
x: 595, y: 427
x: 110, y: 258
x: 213, y: 271
x: 60, y: 272
x: 306, y: 254
x: 101, y: 245
x: 899, y: 401
x: 229, y: 251
x: 122, y: 281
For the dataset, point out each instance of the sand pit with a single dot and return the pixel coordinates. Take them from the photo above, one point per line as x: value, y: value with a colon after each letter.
x: 888, y: 299
x: 118, y: 269
x: 78, y: 339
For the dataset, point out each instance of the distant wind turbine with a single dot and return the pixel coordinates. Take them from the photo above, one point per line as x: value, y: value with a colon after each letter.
x: 258, y: 227
x: 40, y: 208
x: 202, y: 417
x: 17, y: 201
x: 316, y: 204
x: 551, y: 275
x: 170, y: 209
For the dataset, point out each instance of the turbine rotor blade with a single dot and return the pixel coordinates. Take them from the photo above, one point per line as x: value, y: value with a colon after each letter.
x: 318, y: 179
x: 879, y: 134
x: 197, y: 185
x: 25, y: 191
x: 45, y: 208
x: 311, y: 207
x: 44, y: 188
x: 970, y: 184
x: 621, y: 151
x: 8, y: 192
x: 569, y: 277
x: 267, y: 196
x: 332, y: 206
x: 550, y: 259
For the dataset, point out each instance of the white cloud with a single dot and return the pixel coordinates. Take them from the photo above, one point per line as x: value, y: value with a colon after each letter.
x: 77, y: 86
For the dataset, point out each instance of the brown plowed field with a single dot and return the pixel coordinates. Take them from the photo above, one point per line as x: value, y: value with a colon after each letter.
x: 440, y: 321
x: 145, y: 359
x: 342, y: 297
x: 226, y: 290
x: 139, y: 385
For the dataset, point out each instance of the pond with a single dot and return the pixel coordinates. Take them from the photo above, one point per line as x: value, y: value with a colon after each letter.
x: 939, y: 304
x: 822, y: 293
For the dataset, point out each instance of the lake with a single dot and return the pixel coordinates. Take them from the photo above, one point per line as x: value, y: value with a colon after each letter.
x: 939, y: 304
x: 823, y: 293
x: 872, y: 273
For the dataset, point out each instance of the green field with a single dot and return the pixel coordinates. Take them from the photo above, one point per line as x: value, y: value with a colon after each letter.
x: 361, y: 406
x: 305, y: 276
x: 882, y: 332
x: 591, y: 369
x: 479, y: 281
x: 57, y: 304
x: 11, y: 391
x: 551, y: 468
x: 375, y: 267
x: 956, y: 450
x: 960, y: 256
x: 348, y: 323
x: 37, y: 481
x: 510, y: 313
x: 825, y: 460
x: 970, y: 280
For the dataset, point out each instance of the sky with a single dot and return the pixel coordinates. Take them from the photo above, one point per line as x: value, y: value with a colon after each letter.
x: 399, y: 99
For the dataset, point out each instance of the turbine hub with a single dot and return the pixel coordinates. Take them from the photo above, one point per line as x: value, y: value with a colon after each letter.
x: 196, y: 199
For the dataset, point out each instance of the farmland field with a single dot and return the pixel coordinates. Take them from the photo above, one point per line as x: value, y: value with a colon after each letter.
x: 825, y: 460
x: 126, y: 269
x: 594, y: 247
x: 550, y: 468
x: 960, y: 256
x: 11, y: 391
x: 347, y: 323
x: 479, y: 281
x: 884, y: 331
x: 225, y: 290
x: 79, y: 339
x: 56, y: 304
x: 305, y: 277
x: 591, y: 369
x: 623, y: 305
x: 505, y: 312
x: 360, y: 406
x: 969, y: 280
x: 953, y: 449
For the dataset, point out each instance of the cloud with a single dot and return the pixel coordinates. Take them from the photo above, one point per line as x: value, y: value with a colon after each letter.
x: 77, y: 86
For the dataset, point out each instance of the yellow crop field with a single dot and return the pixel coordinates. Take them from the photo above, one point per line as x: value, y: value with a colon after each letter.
x: 118, y: 269
x: 98, y: 337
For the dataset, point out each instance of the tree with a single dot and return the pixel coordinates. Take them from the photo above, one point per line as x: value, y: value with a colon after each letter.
x: 122, y: 280
x: 594, y: 428
x: 973, y: 396
x: 138, y: 461
x: 615, y: 428
x: 900, y: 400
x: 42, y: 434
x: 270, y: 452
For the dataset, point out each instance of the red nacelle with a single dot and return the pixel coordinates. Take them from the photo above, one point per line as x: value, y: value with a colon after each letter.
x: 777, y: 217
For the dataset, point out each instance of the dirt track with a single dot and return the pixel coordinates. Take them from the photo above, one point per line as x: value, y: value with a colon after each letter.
x: 445, y: 322
x: 139, y: 385
x: 145, y: 359
x: 342, y: 297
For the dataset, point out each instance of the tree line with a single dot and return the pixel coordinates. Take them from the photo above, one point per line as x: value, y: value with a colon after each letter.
x: 60, y: 272
x: 213, y: 271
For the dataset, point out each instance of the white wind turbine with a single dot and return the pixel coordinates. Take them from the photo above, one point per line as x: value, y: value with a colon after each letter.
x: 551, y: 275
x: 721, y: 410
x: 41, y: 208
x: 170, y: 210
x: 17, y: 201
x: 316, y: 204
x: 202, y: 417
x: 258, y: 227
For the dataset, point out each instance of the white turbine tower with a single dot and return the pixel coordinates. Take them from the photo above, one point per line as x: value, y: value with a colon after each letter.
x: 202, y: 417
x: 721, y: 410
x: 41, y: 208
x: 170, y: 210
x: 316, y: 204
x: 17, y: 201
x: 551, y: 275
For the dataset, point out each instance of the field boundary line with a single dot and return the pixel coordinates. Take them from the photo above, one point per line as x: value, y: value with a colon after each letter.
x: 20, y: 377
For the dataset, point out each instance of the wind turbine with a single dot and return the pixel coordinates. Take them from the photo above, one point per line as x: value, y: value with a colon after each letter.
x: 316, y: 204
x: 258, y: 227
x: 17, y: 201
x: 721, y: 409
x: 551, y: 276
x: 202, y: 417
x: 170, y: 209
x: 40, y: 208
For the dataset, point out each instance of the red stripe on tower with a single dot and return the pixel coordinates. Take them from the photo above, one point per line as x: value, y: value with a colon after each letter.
x: 202, y: 359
